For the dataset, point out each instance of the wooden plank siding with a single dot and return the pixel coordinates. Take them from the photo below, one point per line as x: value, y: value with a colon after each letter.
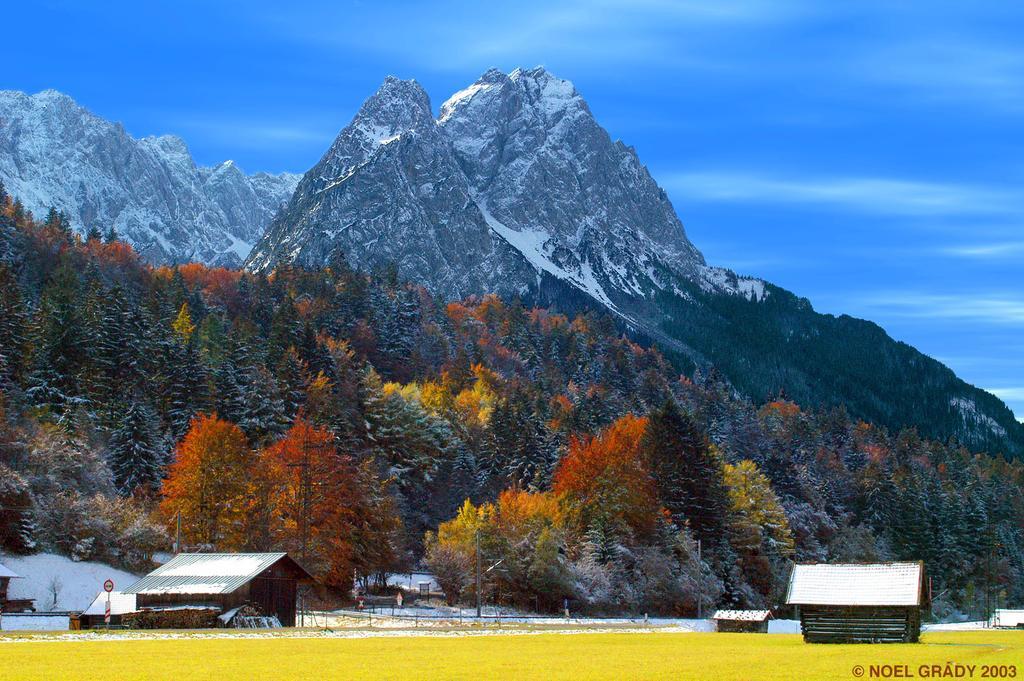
x: 868, y: 624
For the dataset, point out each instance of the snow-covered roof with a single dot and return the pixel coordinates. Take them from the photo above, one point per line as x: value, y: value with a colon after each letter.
x: 120, y: 604
x: 742, y: 615
x: 204, y: 573
x: 856, y: 584
x: 6, y: 572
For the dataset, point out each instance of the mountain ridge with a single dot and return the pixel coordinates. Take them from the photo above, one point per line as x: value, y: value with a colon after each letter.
x: 514, y: 188
x: 56, y: 153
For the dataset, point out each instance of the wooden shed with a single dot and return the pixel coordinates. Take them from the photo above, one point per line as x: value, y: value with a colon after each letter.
x: 224, y: 581
x: 1008, y: 619
x: 858, y: 602
x: 8, y: 604
x: 95, y: 615
x: 6, y: 575
x: 748, y: 621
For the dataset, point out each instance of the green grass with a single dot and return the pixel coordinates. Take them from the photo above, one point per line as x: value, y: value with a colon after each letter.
x: 534, y: 656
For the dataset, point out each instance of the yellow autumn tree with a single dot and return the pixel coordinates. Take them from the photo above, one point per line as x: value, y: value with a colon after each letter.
x: 183, y: 326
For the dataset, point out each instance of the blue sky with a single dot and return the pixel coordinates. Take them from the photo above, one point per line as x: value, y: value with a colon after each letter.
x: 866, y: 155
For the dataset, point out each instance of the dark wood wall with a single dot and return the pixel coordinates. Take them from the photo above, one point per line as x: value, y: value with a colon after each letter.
x: 742, y: 626
x: 847, y: 624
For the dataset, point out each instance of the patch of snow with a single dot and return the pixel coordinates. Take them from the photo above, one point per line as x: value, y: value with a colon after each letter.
x: 783, y: 626
x: 28, y: 621
x: 79, y: 582
x: 228, y: 566
x: 969, y: 412
x: 462, y: 95
x: 531, y: 243
x: 954, y: 626
x: 411, y: 581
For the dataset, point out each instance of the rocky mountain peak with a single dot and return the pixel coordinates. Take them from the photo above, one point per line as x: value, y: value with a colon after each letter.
x: 515, y: 165
x: 54, y: 152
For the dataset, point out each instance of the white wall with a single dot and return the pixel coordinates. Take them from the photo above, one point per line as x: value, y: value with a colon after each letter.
x: 20, y: 621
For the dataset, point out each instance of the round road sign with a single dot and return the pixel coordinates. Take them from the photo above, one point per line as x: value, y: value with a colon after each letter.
x: 108, y: 585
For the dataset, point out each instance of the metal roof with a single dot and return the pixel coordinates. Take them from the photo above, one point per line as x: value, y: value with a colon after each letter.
x: 204, y: 573
x: 6, y: 572
x: 883, y: 584
x: 742, y: 615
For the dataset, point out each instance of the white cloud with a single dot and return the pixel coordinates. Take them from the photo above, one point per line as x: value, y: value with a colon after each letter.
x: 987, y: 308
x: 951, y: 67
x: 863, y: 194
x: 990, y: 250
x: 458, y: 36
x: 255, y: 134
x: 1007, y: 393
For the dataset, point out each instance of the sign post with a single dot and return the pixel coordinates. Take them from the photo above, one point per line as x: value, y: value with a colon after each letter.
x: 108, y: 586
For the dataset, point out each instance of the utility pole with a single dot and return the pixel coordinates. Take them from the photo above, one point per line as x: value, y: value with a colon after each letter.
x: 478, y: 609
x: 177, y: 536
x: 304, y: 495
x: 700, y: 584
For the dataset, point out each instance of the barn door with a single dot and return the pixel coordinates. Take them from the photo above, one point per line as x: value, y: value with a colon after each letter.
x: 275, y: 596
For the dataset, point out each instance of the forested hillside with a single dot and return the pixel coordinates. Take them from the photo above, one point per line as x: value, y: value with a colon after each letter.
x: 353, y: 419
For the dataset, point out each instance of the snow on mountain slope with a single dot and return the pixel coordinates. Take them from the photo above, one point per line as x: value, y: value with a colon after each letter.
x: 54, y: 153
x: 513, y: 183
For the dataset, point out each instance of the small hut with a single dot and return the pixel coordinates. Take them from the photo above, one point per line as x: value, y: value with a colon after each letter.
x: 742, y: 621
x: 1008, y: 619
x: 8, y: 604
x: 220, y: 582
x: 95, y: 615
x: 858, y: 603
x: 6, y: 575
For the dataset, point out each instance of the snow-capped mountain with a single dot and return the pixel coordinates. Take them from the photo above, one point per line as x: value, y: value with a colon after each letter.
x: 54, y: 153
x: 516, y: 189
x: 514, y: 184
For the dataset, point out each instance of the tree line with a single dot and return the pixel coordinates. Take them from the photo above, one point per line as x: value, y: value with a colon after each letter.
x: 356, y: 420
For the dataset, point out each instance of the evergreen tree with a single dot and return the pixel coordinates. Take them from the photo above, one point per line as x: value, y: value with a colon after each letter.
x: 59, y: 345
x: 136, y: 456
x: 687, y: 472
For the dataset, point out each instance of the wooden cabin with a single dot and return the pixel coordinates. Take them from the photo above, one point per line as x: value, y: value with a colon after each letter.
x: 742, y: 621
x: 858, y: 602
x: 268, y: 582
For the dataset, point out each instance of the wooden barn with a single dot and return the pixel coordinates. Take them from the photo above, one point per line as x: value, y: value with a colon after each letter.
x: 858, y: 603
x: 223, y: 582
x: 742, y: 621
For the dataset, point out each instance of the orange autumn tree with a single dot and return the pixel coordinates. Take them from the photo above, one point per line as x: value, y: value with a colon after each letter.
x: 212, y: 484
x: 603, y: 481
x: 333, y: 515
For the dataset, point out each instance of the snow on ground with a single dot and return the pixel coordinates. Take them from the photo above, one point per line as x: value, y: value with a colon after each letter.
x: 954, y: 626
x: 572, y: 627
x: 78, y: 582
x: 442, y: 617
x: 411, y: 581
x: 783, y: 626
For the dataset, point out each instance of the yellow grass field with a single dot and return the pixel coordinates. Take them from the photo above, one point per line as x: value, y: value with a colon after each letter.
x: 531, y: 656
